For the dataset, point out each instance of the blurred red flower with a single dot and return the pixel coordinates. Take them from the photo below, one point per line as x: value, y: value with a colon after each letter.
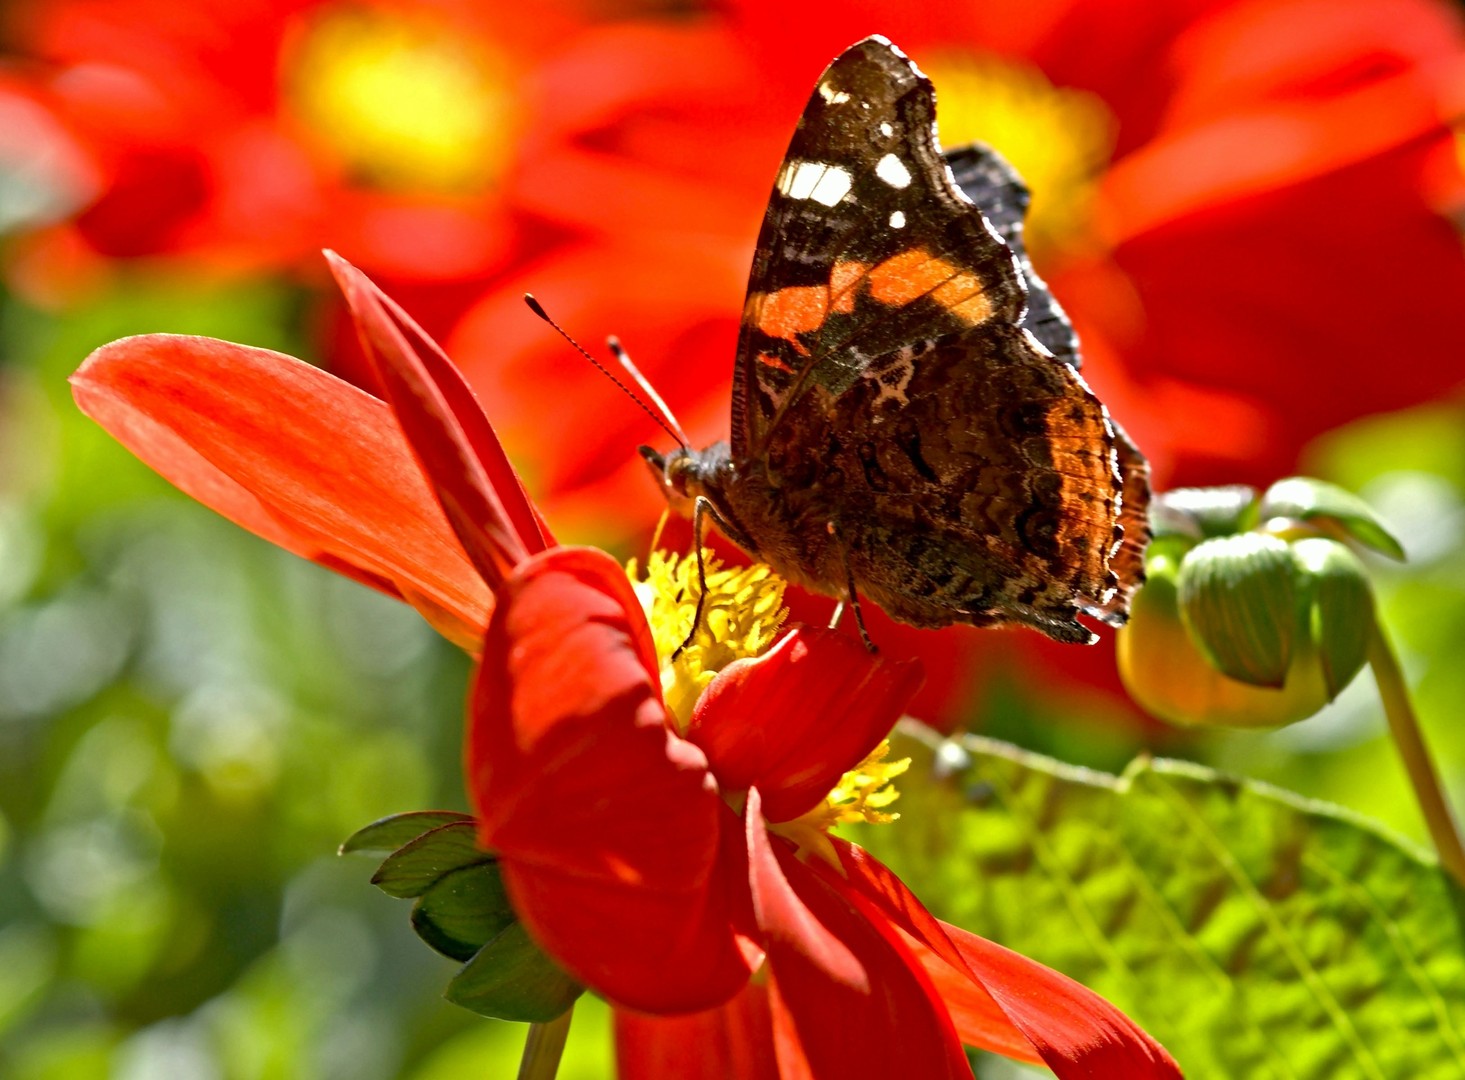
x: 247, y: 135
x: 659, y: 859
x: 1240, y: 203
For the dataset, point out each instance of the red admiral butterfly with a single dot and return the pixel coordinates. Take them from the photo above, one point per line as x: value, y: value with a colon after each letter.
x: 908, y: 421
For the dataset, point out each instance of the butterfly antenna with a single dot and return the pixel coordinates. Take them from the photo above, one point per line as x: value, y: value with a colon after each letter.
x: 663, y: 417
x: 619, y: 352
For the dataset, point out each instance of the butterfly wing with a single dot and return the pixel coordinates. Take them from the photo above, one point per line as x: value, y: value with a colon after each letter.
x: 892, y: 378
x: 986, y: 178
x: 867, y: 245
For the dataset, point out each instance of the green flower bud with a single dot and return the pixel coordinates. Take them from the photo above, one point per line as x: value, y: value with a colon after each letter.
x: 1253, y: 614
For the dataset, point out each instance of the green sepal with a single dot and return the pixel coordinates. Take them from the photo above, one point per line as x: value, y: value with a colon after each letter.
x: 1239, y: 603
x: 415, y: 867
x: 1199, y: 513
x: 1341, y: 601
x: 463, y: 910
x: 511, y: 978
x: 1163, y: 559
x: 390, y: 833
x: 1301, y: 498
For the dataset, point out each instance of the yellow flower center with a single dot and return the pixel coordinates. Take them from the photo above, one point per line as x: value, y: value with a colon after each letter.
x: 1059, y: 139
x: 741, y: 617
x: 406, y: 101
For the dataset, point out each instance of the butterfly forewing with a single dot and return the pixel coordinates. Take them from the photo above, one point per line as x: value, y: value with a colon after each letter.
x: 867, y: 244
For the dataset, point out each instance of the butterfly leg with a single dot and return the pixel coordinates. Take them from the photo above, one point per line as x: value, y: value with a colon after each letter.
x: 699, y: 508
x: 851, y: 597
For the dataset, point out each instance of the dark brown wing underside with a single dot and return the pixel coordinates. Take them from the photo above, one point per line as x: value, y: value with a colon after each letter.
x: 863, y: 205
x: 972, y: 481
x: 899, y: 414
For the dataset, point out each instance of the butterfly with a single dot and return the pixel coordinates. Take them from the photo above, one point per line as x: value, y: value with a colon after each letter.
x: 908, y: 420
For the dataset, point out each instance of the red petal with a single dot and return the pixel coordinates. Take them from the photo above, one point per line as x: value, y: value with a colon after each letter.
x: 1078, y: 1034
x: 849, y: 996
x: 731, y: 1042
x: 610, y: 829
x: 437, y: 411
x: 459, y: 395
x: 797, y: 718
x: 293, y: 454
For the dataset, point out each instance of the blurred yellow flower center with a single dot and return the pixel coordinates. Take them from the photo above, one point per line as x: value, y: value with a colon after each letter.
x: 1058, y: 139
x: 862, y: 794
x: 742, y: 616
x: 407, y: 102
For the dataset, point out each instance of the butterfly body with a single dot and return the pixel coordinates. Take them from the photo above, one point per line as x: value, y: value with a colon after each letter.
x: 908, y: 421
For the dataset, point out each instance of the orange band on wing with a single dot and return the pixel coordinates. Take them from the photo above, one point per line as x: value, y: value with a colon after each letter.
x: 799, y: 309
x: 914, y: 274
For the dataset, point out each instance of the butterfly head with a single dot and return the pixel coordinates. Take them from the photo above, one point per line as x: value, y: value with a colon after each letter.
x: 686, y: 473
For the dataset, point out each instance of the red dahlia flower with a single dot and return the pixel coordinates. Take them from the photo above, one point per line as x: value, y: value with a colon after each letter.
x: 673, y: 863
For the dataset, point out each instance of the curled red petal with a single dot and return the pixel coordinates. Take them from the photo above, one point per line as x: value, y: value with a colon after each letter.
x: 849, y: 996
x: 292, y: 454
x: 619, y: 856
x: 731, y: 1042
x: 437, y: 411
x: 797, y: 718
x: 1075, y: 1032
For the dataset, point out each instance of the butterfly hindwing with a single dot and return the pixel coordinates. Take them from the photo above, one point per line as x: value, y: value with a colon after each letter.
x: 986, y: 178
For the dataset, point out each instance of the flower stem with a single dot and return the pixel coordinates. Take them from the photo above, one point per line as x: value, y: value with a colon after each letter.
x: 1404, y: 727
x: 543, y: 1047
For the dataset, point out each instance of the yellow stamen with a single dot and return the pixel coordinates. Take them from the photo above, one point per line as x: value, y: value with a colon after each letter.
x: 862, y: 794
x: 406, y: 101
x: 741, y: 618
x: 1059, y: 139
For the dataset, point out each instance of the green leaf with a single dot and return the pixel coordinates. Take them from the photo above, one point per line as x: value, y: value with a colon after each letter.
x: 417, y: 866
x: 1342, y: 613
x: 1238, y: 601
x: 1302, y: 498
x: 390, y: 833
x: 1258, y: 935
x: 512, y: 979
x: 463, y: 911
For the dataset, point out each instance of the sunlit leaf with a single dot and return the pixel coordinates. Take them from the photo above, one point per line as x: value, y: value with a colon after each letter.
x: 1256, y: 934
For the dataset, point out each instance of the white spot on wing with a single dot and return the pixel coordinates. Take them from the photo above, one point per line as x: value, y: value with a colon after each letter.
x: 826, y: 184
x: 893, y: 171
x: 832, y: 95
x: 833, y: 186
x: 897, y: 220
x: 886, y: 129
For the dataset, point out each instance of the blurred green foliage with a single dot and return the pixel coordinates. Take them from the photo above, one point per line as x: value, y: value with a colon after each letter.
x: 191, y: 721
